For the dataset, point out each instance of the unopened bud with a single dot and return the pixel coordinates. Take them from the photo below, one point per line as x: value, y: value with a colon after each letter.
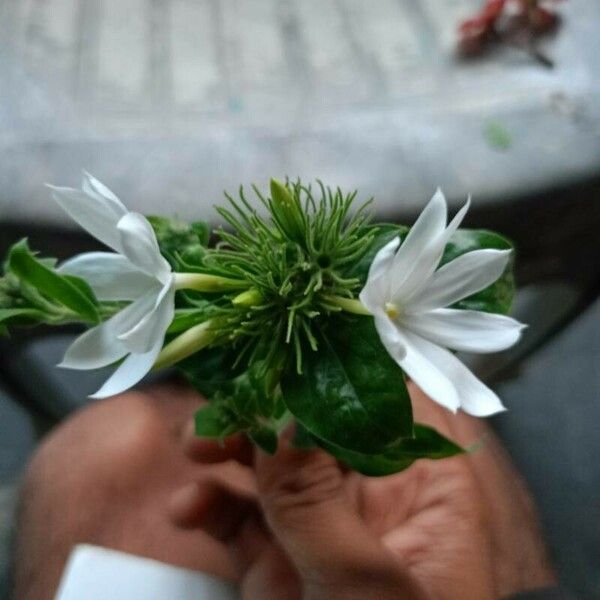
x: 251, y: 297
x: 288, y: 211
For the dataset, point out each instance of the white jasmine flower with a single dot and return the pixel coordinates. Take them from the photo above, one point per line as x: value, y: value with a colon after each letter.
x: 408, y: 298
x: 135, y: 272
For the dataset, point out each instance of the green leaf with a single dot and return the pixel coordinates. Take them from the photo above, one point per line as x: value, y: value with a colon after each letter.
x: 245, y: 399
x: 426, y: 443
x: 212, y: 422
x: 386, y: 232
x: 21, y: 316
x: 265, y: 438
x: 373, y: 465
x: 351, y: 392
x: 186, y: 318
x: 210, y: 370
x: 215, y: 421
x: 498, y: 297
x: 82, y: 286
x: 303, y: 438
x: 59, y: 288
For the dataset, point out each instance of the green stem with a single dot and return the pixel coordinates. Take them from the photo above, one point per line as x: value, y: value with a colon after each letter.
x: 351, y: 305
x: 202, y: 282
x: 194, y: 339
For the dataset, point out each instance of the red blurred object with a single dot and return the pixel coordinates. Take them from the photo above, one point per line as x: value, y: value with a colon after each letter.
x: 542, y: 20
x: 493, y: 22
x: 474, y: 32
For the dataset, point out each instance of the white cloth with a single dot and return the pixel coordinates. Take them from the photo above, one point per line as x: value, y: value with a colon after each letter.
x: 94, y: 573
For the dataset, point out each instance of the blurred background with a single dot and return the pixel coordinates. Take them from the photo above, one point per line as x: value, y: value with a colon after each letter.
x: 169, y: 102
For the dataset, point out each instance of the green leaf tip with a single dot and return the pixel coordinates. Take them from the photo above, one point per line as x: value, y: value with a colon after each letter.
x: 66, y: 290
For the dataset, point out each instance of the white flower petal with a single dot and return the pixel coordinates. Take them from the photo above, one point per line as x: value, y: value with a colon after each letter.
x: 100, y: 346
x: 152, y: 327
x: 140, y: 246
x: 461, y: 277
x: 111, y: 276
x: 389, y: 336
x: 426, y: 373
x: 95, y: 348
x: 474, y: 396
x: 373, y: 295
x: 97, y: 215
x: 90, y: 185
x: 130, y: 371
x: 427, y: 228
x: 467, y: 330
x: 427, y: 261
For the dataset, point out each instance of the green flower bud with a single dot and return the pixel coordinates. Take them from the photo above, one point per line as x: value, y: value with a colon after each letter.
x: 251, y: 297
x: 203, y: 282
x: 288, y: 212
x: 193, y: 340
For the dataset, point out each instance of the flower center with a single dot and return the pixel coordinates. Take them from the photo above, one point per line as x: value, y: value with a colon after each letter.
x: 391, y: 310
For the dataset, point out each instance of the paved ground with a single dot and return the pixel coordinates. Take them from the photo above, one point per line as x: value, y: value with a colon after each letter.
x: 551, y: 431
x: 178, y: 99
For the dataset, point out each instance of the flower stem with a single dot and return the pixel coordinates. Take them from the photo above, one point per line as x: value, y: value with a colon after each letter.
x: 194, y: 339
x: 202, y: 282
x: 351, y: 305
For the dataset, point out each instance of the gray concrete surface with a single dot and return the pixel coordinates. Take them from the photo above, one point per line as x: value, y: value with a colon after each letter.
x: 17, y: 440
x: 551, y: 431
x: 171, y: 101
x: 33, y: 367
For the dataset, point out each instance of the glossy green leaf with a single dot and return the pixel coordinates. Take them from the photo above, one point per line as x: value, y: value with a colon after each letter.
x: 386, y: 232
x: 265, y: 438
x: 350, y: 393
x: 56, y: 287
x: 373, y: 465
x: 426, y: 443
x: 303, y: 438
x: 82, y: 286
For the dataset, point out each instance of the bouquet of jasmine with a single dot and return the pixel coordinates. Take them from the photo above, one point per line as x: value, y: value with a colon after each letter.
x: 303, y: 311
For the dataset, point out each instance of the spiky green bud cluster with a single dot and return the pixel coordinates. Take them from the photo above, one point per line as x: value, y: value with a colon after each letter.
x: 294, y: 260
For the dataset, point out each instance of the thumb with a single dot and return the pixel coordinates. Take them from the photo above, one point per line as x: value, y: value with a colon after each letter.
x: 307, y: 507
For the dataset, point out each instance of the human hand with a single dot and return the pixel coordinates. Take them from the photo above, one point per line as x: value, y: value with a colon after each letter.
x: 459, y: 528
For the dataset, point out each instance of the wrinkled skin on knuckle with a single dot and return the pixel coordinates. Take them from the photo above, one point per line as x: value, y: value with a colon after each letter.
x: 305, y: 483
